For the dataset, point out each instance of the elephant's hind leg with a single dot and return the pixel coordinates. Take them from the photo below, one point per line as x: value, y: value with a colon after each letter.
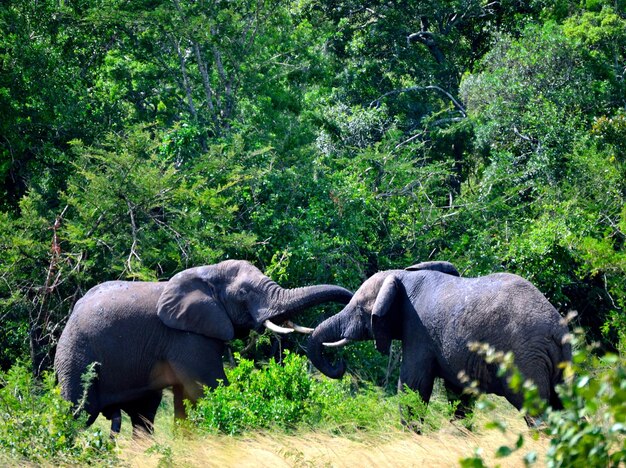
x: 538, y: 370
x: 179, y: 401
x: 465, y: 401
x: 143, y: 411
x: 71, y: 379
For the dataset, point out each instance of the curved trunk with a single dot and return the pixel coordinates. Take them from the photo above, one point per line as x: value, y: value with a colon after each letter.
x: 295, y: 300
x: 327, y: 331
x: 287, y: 302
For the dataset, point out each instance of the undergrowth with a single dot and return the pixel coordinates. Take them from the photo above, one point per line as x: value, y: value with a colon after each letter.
x: 38, y: 426
x: 590, y: 430
x: 285, y: 396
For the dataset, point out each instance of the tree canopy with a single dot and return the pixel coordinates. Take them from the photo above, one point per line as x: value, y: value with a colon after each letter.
x: 323, y: 141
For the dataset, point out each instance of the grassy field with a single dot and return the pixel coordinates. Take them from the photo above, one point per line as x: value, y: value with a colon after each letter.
x: 391, y: 447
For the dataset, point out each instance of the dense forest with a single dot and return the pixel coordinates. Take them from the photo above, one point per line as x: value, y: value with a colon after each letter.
x: 321, y: 141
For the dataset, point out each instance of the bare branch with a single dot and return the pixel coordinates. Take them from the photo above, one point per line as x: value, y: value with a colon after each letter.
x: 186, y: 82
x: 133, y: 252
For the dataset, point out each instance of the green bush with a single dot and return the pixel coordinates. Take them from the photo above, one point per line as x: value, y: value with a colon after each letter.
x: 341, y: 407
x: 277, y: 396
x: 37, y: 424
x: 285, y: 396
x: 591, y: 429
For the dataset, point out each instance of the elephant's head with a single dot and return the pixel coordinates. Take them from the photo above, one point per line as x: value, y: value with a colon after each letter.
x: 370, y: 314
x: 363, y: 318
x: 234, y: 296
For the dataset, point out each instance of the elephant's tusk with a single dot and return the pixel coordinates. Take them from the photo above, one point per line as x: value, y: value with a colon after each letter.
x: 338, y: 344
x: 300, y: 328
x: 275, y: 328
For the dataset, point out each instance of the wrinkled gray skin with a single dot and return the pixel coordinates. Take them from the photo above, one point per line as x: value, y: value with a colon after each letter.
x: 436, y: 314
x: 146, y: 336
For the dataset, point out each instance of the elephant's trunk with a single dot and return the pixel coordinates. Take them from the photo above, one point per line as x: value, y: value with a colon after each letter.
x: 286, y: 302
x: 329, y: 330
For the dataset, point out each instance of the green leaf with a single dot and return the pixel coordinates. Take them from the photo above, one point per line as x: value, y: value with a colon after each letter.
x: 503, y: 451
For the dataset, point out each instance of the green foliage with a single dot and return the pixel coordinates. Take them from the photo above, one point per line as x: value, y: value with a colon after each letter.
x: 369, y: 365
x: 131, y: 208
x: 590, y: 429
x: 38, y: 426
x: 323, y: 142
x: 342, y: 408
x: 165, y: 451
x: 277, y: 396
x: 285, y: 397
x: 423, y: 417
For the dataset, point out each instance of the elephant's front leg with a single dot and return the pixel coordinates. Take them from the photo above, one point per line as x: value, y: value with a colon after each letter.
x: 116, y: 423
x: 195, y: 365
x: 418, y: 374
x: 179, y: 401
x: 417, y: 371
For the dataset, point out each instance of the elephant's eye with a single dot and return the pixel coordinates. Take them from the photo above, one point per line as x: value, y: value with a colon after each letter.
x: 242, y: 292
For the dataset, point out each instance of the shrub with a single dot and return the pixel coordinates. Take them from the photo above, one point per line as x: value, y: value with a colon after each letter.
x: 287, y: 397
x: 37, y: 424
x: 591, y: 429
x: 341, y: 407
x: 278, y: 395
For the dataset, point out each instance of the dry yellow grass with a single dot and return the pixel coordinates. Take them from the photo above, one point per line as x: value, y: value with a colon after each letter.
x: 395, y: 448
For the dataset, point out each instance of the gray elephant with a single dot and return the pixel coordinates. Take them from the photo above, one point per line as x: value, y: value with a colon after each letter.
x: 437, y: 314
x: 146, y: 336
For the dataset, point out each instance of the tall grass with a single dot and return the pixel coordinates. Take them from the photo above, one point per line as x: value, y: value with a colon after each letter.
x: 382, y: 444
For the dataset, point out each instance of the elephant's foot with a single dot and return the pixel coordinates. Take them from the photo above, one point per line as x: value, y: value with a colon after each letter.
x: 116, y: 424
x: 535, y: 422
x: 410, y: 421
x: 413, y: 426
x: 143, y: 425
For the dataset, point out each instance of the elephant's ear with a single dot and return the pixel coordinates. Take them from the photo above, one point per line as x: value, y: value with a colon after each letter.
x: 381, y: 317
x: 189, y: 302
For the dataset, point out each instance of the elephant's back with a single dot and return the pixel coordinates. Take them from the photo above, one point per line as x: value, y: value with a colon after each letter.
x: 114, y: 314
x: 505, y: 311
x: 120, y: 297
x: 495, y: 299
x: 515, y: 300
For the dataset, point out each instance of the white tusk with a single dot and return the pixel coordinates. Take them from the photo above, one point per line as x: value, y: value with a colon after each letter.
x: 275, y: 328
x: 300, y: 328
x: 338, y: 344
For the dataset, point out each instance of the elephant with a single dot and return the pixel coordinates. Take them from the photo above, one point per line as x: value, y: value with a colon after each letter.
x: 437, y: 314
x: 146, y: 336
